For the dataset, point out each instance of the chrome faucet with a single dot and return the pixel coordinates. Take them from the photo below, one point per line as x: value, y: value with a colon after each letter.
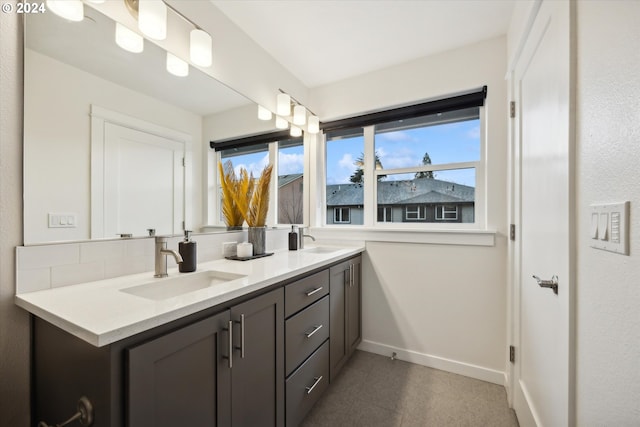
x: 301, y: 237
x: 161, y: 256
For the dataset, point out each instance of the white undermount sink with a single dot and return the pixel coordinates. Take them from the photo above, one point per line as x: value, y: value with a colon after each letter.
x: 161, y: 289
x: 321, y: 249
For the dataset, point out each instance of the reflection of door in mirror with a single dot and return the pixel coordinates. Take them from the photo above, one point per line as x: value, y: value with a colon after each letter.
x: 143, y: 184
x: 137, y: 176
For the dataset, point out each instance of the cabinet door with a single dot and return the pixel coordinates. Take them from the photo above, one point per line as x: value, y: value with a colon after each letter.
x: 181, y: 378
x: 345, y: 316
x: 257, y: 376
x: 354, y: 304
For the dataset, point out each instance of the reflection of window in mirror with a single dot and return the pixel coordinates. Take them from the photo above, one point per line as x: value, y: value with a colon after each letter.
x: 290, y: 199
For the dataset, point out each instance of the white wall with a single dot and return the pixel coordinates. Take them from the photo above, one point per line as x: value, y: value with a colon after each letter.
x: 57, y: 134
x: 440, y: 305
x: 14, y: 322
x: 608, y: 159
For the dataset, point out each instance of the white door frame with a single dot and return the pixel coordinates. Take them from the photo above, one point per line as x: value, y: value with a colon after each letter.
x: 515, y: 216
x: 99, y: 117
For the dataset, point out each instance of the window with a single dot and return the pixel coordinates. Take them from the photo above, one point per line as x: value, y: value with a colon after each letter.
x: 424, y: 163
x: 385, y: 214
x: 446, y: 213
x: 345, y: 178
x: 341, y: 215
x: 415, y: 213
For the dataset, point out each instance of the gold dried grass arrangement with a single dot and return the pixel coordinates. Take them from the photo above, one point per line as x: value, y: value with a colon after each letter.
x: 242, y: 198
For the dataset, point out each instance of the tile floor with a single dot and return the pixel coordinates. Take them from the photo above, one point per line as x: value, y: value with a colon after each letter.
x: 373, y: 390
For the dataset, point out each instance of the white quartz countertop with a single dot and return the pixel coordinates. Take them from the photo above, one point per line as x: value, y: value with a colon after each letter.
x: 103, y: 312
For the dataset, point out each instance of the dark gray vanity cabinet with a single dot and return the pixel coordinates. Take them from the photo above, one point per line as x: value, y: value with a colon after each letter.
x: 257, y: 375
x: 186, y: 377
x: 182, y: 378
x: 345, y: 297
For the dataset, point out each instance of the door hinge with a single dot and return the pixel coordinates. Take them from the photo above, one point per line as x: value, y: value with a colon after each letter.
x: 184, y: 163
x: 512, y: 109
x: 183, y: 225
x: 512, y: 232
x: 512, y: 354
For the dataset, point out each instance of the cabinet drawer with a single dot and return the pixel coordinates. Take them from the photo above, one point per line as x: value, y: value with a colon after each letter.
x: 300, y: 294
x: 305, y: 332
x: 301, y: 392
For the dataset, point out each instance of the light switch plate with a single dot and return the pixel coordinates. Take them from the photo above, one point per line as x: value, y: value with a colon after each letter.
x: 63, y: 220
x: 612, y: 222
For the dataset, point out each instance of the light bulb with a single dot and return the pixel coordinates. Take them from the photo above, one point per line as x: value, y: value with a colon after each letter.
x: 281, y: 123
x: 263, y: 113
x: 299, y: 115
x: 295, y: 131
x: 283, y: 104
x: 314, y: 124
x: 177, y: 66
x: 152, y: 18
x: 200, y: 48
x: 128, y: 40
x: 73, y: 10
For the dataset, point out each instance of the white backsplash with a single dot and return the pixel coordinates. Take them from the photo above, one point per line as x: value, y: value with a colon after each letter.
x: 40, y: 267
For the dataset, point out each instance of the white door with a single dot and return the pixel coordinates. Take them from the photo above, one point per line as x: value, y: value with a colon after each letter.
x: 543, y: 387
x: 143, y: 182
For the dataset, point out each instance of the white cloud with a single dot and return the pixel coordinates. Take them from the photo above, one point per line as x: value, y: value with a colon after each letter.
x: 346, y: 161
x: 395, y: 136
x: 254, y: 168
x: 474, y: 133
x: 290, y: 163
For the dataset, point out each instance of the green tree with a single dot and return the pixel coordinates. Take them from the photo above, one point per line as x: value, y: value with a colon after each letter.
x: 356, y: 177
x: 426, y: 160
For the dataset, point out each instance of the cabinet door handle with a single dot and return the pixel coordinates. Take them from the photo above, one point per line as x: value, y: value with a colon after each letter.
x: 314, y: 291
x: 315, y: 329
x: 317, y: 380
x: 230, y: 332
x: 350, y: 275
x: 241, y: 348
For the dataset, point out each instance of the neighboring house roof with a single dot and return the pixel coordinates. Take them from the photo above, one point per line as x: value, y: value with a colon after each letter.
x: 286, y: 179
x: 408, y: 192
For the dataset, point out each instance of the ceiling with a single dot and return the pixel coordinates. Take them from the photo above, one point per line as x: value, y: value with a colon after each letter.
x: 323, y: 41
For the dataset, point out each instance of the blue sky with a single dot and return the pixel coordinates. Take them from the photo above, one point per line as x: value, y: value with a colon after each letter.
x: 449, y: 143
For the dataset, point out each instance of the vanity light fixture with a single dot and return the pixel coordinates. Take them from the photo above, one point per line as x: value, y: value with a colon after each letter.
x: 177, y: 66
x: 313, y: 125
x: 281, y: 123
x: 295, y: 131
x: 73, y: 10
x: 264, y: 113
x: 152, y: 18
x: 129, y: 40
x: 299, y: 115
x: 283, y: 104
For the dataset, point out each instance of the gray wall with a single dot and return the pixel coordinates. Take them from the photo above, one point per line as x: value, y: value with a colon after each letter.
x: 14, y: 322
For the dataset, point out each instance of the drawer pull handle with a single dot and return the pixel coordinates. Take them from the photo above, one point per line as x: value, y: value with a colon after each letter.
x: 241, y: 346
x: 229, y: 330
x: 315, y: 329
x: 317, y: 380
x: 314, y: 291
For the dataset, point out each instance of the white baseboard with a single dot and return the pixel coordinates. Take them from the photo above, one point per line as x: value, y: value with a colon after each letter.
x: 453, y: 366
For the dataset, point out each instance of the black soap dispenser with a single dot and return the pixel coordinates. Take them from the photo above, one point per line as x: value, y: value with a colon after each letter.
x: 187, y: 249
x: 293, y: 239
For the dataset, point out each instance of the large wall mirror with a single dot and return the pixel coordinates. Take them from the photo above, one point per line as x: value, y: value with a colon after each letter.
x: 107, y: 132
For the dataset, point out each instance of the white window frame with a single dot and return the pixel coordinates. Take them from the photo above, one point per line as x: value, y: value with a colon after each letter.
x: 420, y: 213
x: 341, y: 210
x: 442, y: 212
x: 371, y: 179
x: 385, y: 217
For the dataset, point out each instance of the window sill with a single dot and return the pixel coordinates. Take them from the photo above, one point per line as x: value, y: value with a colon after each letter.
x: 467, y: 237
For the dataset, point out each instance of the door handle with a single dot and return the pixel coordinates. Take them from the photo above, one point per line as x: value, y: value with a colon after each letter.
x: 553, y: 283
x: 316, y: 382
x: 241, y: 347
x: 229, y: 330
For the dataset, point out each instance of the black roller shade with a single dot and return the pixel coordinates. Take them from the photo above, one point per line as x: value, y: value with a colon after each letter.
x: 470, y: 99
x: 263, y: 138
